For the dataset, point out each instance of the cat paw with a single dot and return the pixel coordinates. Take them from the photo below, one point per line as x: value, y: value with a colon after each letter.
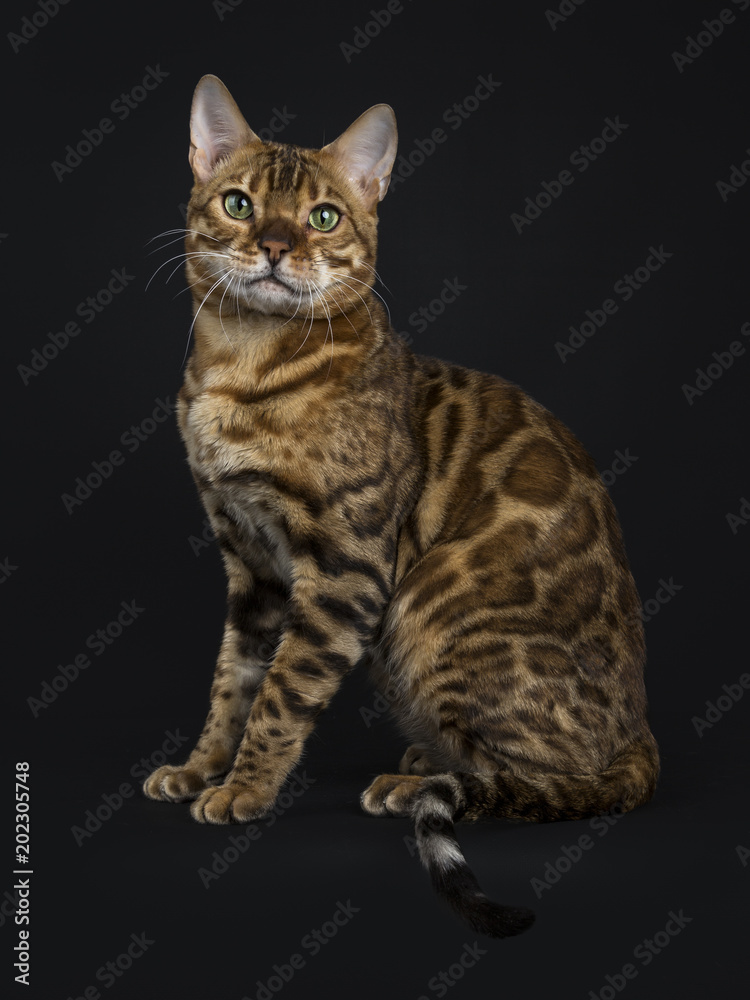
x: 231, y: 803
x: 173, y: 784
x: 391, y: 795
x: 416, y: 760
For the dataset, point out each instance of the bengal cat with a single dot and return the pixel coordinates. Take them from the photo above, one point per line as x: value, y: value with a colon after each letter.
x: 373, y: 504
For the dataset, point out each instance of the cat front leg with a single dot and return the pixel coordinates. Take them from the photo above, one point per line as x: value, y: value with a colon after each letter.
x: 331, y: 624
x: 251, y: 634
x: 232, y: 692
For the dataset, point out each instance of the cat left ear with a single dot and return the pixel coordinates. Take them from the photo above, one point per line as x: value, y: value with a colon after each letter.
x: 217, y: 127
x: 366, y: 152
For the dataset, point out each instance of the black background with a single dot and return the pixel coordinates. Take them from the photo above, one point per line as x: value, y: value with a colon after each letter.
x: 66, y: 573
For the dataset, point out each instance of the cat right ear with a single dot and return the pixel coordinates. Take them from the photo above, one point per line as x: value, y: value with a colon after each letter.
x: 366, y: 152
x: 217, y: 127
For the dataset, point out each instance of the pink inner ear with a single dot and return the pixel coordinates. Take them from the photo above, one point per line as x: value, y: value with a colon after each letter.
x: 200, y: 164
x: 217, y: 127
x: 371, y: 190
x: 366, y: 152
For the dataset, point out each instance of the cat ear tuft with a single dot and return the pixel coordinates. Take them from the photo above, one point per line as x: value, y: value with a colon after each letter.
x: 366, y: 151
x: 217, y: 127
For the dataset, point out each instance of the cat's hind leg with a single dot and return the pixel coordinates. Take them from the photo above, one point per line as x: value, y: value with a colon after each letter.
x: 433, y: 802
x: 391, y: 795
x: 418, y: 760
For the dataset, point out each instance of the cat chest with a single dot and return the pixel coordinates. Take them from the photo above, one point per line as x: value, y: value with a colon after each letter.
x: 237, y: 468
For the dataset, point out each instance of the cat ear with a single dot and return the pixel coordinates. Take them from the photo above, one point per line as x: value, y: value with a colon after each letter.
x: 216, y: 127
x: 366, y: 151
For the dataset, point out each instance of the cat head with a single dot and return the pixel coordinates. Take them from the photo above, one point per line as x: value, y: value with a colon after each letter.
x: 279, y: 229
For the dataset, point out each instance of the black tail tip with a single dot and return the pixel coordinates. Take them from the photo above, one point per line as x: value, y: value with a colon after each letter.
x: 499, y: 921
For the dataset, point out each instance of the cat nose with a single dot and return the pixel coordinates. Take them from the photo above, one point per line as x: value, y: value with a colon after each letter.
x: 275, y: 247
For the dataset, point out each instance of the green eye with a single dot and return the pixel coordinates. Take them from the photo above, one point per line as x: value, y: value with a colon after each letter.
x: 238, y: 205
x: 324, y: 218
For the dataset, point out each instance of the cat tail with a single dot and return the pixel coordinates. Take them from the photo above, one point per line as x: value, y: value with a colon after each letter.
x: 439, y: 799
x: 628, y: 781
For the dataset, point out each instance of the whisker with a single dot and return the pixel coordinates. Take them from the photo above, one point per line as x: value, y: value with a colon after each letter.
x: 221, y: 303
x: 342, y: 282
x: 183, y: 257
x: 237, y: 286
x: 183, y: 233
x: 374, y: 292
x: 327, y: 311
x: 296, y: 309
x: 376, y: 275
x: 317, y: 166
x: 321, y: 258
x: 197, y: 311
x: 345, y: 315
x: 203, y: 278
x: 330, y: 330
x: 312, y: 318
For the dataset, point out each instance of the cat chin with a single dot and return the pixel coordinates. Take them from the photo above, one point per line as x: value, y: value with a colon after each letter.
x: 271, y: 298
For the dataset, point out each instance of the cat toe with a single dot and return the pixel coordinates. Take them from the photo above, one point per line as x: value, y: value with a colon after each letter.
x: 173, y: 784
x: 230, y: 803
x: 390, y: 795
x: 416, y: 760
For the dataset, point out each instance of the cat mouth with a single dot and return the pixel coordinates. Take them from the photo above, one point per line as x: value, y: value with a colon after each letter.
x: 269, y: 294
x: 268, y: 281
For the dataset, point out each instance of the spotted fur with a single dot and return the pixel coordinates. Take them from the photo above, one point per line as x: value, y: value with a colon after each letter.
x: 372, y: 504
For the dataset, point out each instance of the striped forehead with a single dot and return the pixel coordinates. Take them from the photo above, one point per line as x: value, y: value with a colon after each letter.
x: 283, y: 173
